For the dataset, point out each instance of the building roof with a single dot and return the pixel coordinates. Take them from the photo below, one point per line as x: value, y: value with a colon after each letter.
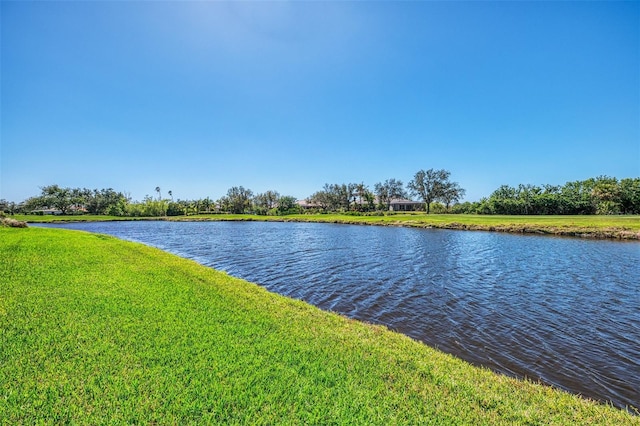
x: 404, y: 201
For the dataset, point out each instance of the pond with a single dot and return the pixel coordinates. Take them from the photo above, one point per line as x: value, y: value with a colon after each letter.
x: 563, y: 311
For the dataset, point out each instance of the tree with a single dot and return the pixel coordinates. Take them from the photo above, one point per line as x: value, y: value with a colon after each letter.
x: 206, y: 204
x: 526, y: 196
x: 158, y: 191
x: 266, y: 201
x: 577, y: 196
x: 364, y: 195
x: 55, y: 196
x: 7, y: 206
x: 287, y: 205
x: 452, y: 193
x: 334, y: 196
x: 388, y: 190
x: 549, y: 201
x: 224, y: 204
x: 104, y: 201
x: 239, y: 199
x: 370, y: 199
x: 339, y: 195
x: 10, y: 207
x: 429, y: 185
x: 360, y: 191
x: 630, y: 196
x: 321, y: 198
x: 606, y: 195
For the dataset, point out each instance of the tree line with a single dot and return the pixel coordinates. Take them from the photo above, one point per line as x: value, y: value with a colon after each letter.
x: 427, y: 185
x: 113, y: 203
x: 72, y: 200
x: 600, y: 195
x: 433, y: 187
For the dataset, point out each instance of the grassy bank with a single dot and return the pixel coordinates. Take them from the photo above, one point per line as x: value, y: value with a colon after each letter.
x: 618, y: 227
x: 96, y: 330
x: 31, y: 218
x: 621, y: 227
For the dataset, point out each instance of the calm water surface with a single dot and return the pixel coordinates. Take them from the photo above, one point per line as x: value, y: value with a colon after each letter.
x: 559, y: 310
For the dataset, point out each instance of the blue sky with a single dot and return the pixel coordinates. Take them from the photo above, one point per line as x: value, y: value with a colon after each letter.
x: 196, y: 97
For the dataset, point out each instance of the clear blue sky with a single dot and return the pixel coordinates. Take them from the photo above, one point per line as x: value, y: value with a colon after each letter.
x: 196, y: 97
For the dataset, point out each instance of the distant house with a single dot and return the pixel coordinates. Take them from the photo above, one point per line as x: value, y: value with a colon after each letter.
x: 58, y: 212
x: 78, y: 210
x: 306, y: 205
x: 396, y: 205
x: 404, y: 205
x: 47, y: 211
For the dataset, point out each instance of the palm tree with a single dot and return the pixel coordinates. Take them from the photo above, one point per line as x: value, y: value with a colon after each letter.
x: 158, y: 191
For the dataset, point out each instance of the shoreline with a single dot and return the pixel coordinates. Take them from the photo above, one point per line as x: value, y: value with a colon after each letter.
x: 605, y: 233
x: 506, y: 224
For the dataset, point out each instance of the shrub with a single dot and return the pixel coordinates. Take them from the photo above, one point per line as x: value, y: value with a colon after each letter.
x: 7, y: 222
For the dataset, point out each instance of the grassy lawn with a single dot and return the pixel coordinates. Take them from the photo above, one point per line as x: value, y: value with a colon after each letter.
x: 97, y: 330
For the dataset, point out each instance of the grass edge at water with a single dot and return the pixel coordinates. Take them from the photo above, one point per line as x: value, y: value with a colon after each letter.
x: 94, y: 329
x: 592, y: 226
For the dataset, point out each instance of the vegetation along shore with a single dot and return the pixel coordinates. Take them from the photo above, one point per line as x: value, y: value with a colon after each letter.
x: 548, y: 209
x: 94, y: 329
x: 588, y: 226
x: 602, y: 207
x: 432, y: 190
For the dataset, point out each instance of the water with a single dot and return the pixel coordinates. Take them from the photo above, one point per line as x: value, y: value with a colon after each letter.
x: 562, y: 311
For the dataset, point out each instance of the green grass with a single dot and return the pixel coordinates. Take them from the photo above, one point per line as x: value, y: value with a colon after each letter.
x: 30, y: 218
x: 96, y: 330
x: 602, y: 222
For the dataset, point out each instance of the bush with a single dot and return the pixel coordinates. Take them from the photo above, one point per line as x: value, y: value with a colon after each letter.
x: 465, y: 208
x: 7, y: 222
x: 438, y: 208
x: 608, y: 207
